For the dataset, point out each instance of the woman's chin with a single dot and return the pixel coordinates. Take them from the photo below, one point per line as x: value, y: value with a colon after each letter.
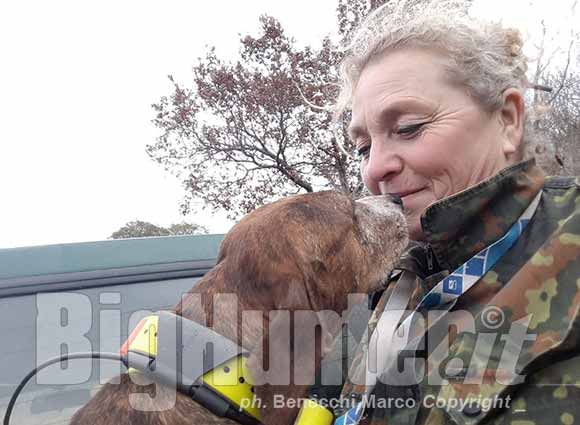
x: 415, y: 229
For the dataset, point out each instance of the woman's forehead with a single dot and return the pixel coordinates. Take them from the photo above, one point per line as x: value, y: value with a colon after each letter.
x: 402, y: 81
x: 403, y: 69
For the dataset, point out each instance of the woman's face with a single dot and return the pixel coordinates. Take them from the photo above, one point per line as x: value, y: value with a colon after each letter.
x: 421, y: 137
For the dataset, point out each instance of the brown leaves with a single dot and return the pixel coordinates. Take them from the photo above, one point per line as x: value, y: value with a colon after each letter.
x: 258, y: 128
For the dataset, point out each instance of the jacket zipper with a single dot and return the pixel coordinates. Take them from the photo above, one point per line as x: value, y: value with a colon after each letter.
x: 429, y: 255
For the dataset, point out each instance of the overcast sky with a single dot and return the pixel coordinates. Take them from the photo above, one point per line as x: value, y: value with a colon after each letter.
x: 76, y: 84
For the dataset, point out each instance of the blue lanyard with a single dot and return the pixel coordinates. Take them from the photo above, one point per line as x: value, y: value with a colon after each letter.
x: 447, y: 291
x: 469, y: 273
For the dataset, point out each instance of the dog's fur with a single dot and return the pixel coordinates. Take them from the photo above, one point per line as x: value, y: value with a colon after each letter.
x: 306, y: 252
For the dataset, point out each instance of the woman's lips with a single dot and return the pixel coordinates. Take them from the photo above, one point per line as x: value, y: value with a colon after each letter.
x: 406, y: 195
x: 403, y: 194
x: 412, y: 200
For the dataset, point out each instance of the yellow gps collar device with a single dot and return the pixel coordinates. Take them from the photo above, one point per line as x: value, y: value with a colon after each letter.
x: 220, y: 383
x: 209, y: 368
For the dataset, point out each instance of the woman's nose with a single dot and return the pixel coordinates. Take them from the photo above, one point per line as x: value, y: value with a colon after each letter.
x: 382, y: 164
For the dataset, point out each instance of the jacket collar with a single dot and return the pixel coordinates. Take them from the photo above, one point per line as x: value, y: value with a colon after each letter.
x: 460, y: 226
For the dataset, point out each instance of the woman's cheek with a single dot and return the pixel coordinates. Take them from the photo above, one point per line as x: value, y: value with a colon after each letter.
x: 366, y: 181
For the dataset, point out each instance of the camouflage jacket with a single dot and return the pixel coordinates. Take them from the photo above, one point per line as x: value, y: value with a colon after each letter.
x: 535, y: 286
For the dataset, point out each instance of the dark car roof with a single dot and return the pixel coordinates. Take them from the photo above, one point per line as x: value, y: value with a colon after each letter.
x: 118, y: 282
x: 36, y: 269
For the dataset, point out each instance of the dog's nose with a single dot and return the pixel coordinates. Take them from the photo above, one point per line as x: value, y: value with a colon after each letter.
x: 396, y: 200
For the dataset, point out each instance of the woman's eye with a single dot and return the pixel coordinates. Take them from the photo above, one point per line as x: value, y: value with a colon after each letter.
x: 363, y: 151
x: 409, y: 131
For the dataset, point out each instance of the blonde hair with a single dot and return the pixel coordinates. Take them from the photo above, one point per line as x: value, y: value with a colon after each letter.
x: 483, y: 57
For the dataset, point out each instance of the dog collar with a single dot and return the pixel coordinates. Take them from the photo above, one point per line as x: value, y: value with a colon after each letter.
x: 208, y: 367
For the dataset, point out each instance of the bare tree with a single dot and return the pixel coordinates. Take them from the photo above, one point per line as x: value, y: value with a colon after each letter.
x: 249, y: 131
x: 244, y: 135
x: 556, y: 102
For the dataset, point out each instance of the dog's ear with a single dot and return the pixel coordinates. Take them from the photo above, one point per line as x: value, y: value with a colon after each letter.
x: 297, y: 338
x: 296, y: 342
x: 295, y: 345
x: 313, y: 337
x: 313, y: 327
x: 270, y: 359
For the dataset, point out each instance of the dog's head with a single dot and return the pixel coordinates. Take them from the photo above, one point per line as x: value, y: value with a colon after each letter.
x: 304, y: 253
x: 308, y: 252
x: 326, y: 241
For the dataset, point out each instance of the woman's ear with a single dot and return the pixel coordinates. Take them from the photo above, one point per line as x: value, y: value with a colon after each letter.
x: 512, y: 115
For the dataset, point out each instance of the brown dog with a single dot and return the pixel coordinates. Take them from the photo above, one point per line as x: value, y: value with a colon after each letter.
x: 306, y: 252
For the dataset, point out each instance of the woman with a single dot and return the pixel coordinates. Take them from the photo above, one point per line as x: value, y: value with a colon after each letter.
x: 438, y: 118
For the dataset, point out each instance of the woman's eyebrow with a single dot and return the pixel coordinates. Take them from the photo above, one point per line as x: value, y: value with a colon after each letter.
x: 389, y: 113
x: 395, y: 109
